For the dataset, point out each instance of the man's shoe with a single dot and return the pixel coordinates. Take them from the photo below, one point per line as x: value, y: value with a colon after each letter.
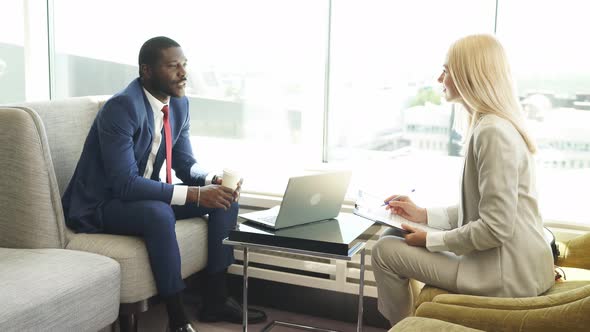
x: 183, y: 328
x: 231, y: 311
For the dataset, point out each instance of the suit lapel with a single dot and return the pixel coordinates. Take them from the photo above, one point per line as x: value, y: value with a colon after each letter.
x: 143, y: 109
x: 461, y: 201
x: 466, y: 174
x: 142, y: 106
x: 150, y: 114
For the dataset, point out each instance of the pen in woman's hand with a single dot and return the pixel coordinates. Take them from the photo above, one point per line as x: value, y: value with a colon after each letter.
x: 396, y: 198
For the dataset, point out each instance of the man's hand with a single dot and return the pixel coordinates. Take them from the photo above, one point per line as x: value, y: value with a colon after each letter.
x: 417, y: 238
x: 236, y: 193
x: 212, y: 196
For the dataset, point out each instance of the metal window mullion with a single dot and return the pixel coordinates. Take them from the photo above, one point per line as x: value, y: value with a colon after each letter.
x: 51, y: 48
x: 327, y: 85
x: 496, y: 18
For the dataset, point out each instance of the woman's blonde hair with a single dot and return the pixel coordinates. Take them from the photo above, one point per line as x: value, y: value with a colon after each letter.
x: 479, y: 68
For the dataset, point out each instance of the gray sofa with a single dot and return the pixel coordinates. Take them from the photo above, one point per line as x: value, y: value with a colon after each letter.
x: 67, y: 123
x: 44, y: 287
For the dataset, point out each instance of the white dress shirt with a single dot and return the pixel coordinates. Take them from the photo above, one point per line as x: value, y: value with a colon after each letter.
x: 180, y: 191
x: 437, y: 218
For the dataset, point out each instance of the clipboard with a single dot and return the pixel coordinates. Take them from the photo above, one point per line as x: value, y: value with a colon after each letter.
x: 384, y: 217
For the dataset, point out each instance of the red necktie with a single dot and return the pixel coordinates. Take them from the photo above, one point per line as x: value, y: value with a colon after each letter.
x: 168, y: 138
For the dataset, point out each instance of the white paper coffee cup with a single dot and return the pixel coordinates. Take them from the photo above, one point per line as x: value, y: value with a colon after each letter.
x: 230, y: 178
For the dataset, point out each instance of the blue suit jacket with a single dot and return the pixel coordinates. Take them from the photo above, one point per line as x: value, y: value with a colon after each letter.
x: 115, y: 155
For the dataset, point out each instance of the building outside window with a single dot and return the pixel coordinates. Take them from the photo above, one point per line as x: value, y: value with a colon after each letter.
x: 388, y: 119
x: 545, y: 41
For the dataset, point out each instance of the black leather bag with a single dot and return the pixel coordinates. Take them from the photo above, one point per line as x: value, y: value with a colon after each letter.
x: 550, y: 238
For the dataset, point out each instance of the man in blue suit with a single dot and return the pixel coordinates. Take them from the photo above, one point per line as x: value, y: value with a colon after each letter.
x: 116, y: 187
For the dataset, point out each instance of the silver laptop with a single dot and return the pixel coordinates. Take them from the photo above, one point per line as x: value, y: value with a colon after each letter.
x: 307, y: 199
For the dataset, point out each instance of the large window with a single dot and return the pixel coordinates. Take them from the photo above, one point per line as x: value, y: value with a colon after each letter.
x: 24, y: 61
x: 280, y: 86
x: 547, y: 44
x: 256, y: 70
x: 12, y: 52
x: 387, y: 115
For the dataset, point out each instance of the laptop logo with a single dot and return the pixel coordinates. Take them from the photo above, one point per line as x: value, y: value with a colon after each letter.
x: 315, y: 199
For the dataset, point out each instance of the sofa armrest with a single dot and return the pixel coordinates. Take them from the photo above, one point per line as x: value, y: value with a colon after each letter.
x: 575, y: 252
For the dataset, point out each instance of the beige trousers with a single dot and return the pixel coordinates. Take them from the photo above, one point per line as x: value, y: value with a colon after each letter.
x: 395, y: 263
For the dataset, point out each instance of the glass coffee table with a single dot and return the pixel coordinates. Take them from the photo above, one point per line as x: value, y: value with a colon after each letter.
x: 333, y: 239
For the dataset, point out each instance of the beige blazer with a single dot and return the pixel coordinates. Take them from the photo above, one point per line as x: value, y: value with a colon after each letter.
x: 497, y: 227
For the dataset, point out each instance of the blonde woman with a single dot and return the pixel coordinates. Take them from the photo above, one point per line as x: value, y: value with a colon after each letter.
x: 491, y: 243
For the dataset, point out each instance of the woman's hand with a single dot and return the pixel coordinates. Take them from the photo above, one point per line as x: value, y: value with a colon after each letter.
x: 404, y: 207
x: 417, y: 238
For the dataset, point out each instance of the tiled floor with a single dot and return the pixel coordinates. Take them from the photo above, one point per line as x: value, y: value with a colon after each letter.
x: 156, y: 320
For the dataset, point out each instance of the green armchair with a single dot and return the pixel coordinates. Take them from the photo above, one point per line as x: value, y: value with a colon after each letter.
x: 564, y: 307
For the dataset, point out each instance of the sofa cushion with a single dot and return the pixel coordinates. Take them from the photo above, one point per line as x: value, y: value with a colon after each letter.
x: 57, y: 290
x: 137, y: 282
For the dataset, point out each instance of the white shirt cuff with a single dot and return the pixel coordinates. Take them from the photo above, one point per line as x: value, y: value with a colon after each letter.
x: 209, y: 177
x: 438, y: 218
x: 179, y: 195
x: 435, y: 242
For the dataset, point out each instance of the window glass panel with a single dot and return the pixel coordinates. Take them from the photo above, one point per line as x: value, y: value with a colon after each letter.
x: 386, y: 113
x: 256, y: 83
x: 547, y: 45
x: 256, y: 70
x: 12, y: 52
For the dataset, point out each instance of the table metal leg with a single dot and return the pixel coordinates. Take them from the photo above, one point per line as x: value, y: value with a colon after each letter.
x: 245, y: 292
x: 359, y: 324
x: 293, y: 325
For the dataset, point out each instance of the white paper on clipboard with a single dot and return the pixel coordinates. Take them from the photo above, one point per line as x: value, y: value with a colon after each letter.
x: 384, y: 217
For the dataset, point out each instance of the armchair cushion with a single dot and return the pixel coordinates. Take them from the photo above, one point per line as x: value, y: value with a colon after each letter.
x: 427, y: 294
x: 564, y: 307
x: 568, y: 317
x: 420, y: 324
x: 131, y: 253
x: 57, y: 290
x: 570, y: 292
